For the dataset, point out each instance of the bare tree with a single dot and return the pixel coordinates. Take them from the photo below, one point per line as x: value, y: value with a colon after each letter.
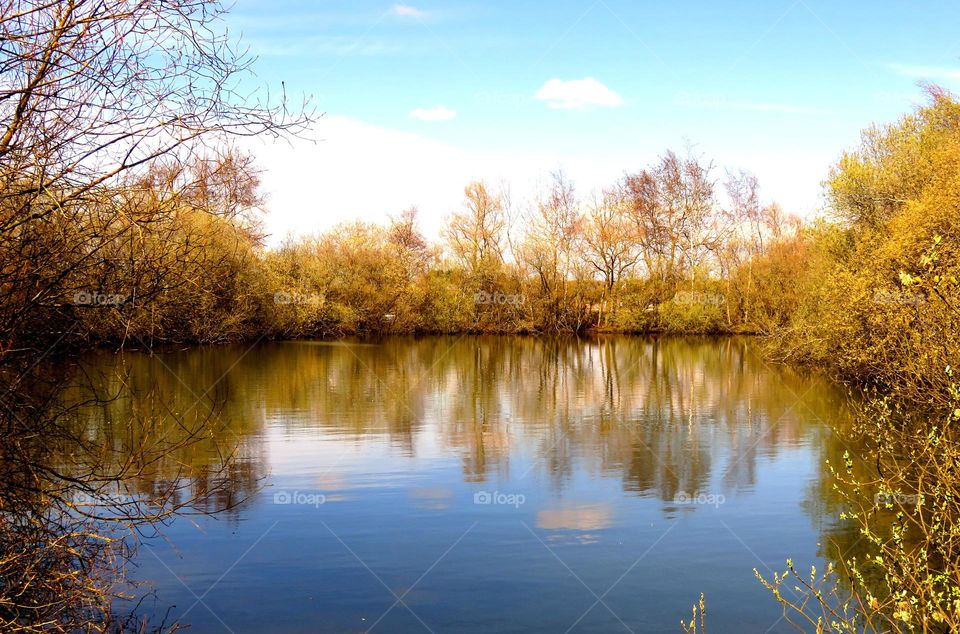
x: 90, y: 92
x: 551, y: 250
x: 78, y: 493
x: 687, y: 207
x: 743, y: 189
x: 93, y: 88
x: 476, y: 235
x: 674, y: 216
x: 612, y: 248
x: 641, y: 192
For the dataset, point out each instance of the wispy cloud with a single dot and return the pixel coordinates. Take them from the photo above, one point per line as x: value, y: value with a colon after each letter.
x: 333, y: 46
x: 783, y: 108
x: 578, y: 94
x: 407, y: 11
x: 720, y: 102
x: 439, y: 113
x: 936, y: 73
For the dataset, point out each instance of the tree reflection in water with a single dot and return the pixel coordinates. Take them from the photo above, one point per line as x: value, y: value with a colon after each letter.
x: 188, y: 431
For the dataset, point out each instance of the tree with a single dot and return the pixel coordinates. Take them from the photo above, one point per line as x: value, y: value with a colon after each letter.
x: 745, y: 212
x: 687, y: 206
x: 612, y: 248
x: 93, y: 89
x: 94, y: 94
x: 641, y: 193
x: 411, y: 246
x: 550, y: 249
x: 476, y: 235
x: 673, y: 212
x: 882, y: 302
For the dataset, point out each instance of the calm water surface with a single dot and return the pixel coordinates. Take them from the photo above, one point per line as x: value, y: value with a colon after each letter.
x: 487, y: 484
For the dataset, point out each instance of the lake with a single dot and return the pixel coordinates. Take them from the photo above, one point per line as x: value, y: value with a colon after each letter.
x: 483, y: 484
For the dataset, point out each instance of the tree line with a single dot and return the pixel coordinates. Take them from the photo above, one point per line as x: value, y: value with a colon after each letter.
x: 129, y: 218
x: 175, y: 253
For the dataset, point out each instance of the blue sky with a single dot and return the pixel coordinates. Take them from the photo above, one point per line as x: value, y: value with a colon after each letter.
x: 421, y: 96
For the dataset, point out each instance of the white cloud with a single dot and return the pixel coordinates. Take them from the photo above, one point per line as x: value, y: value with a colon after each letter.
x: 407, y: 11
x: 440, y: 113
x: 940, y: 73
x: 784, y: 108
x: 312, y: 186
x: 578, y: 94
x: 720, y: 102
x: 359, y: 171
x: 339, y: 46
